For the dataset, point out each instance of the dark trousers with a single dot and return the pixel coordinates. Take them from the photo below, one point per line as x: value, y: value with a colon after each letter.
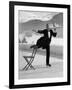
x: 47, y: 55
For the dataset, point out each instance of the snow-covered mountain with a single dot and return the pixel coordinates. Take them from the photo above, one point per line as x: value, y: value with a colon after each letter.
x: 25, y: 29
x: 40, y: 25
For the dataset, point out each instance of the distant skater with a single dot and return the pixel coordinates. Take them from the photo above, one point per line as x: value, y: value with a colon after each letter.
x: 44, y: 41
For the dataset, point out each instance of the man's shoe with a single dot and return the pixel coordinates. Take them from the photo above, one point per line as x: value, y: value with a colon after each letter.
x: 49, y: 65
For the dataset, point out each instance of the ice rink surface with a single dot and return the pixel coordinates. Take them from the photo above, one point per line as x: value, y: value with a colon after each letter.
x: 41, y: 70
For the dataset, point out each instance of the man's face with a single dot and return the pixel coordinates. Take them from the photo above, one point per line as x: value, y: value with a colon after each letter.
x: 47, y: 26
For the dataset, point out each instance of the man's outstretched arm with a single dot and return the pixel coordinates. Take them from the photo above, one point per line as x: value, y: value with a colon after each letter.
x: 39, y: 31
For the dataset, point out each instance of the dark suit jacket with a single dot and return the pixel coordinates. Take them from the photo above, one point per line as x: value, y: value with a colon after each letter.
x: 45, y: 32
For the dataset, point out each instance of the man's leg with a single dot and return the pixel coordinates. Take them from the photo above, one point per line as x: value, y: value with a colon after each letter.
x: 47, y: 56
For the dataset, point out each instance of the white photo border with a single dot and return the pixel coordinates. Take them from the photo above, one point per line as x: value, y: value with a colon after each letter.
x: 43, y: 80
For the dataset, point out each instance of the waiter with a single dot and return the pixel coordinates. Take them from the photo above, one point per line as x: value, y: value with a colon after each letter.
x: 44, y: 41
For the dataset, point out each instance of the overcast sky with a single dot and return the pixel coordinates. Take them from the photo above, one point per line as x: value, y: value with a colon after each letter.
x: 25, y: 16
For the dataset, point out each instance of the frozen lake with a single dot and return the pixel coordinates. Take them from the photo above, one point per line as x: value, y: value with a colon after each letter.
x: 41, y: 70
